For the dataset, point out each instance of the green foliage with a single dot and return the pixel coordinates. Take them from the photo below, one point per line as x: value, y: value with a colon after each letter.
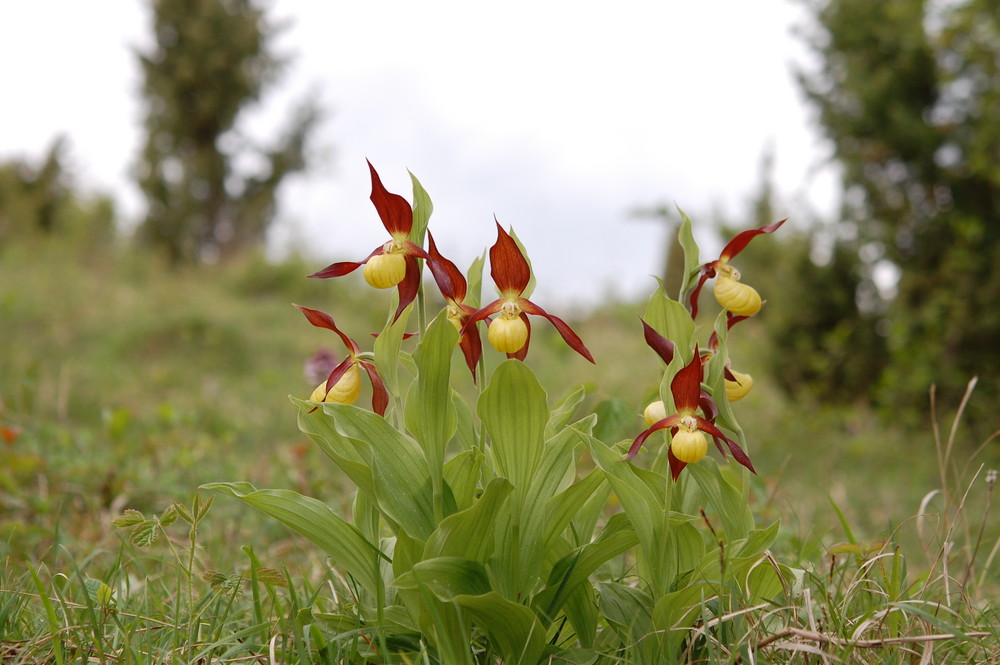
x: 211, y: 61
x: 908, y: 93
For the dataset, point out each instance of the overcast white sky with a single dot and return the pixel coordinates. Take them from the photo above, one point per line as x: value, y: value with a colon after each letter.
x: 559, y: 117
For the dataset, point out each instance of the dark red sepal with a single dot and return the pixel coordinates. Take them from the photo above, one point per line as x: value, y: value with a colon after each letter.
x: 741, y: 240
x: 508, y: 267
x: 522, y: 353
x: 666, y: 423
x: 393, y: 209
x: 663, y: 346
x: 676, y: 466
x: 321, y: 319
x: 472, y: 348
x: 686, y: 385
x: 450, y: 280
x: 565, y: 331
x: 380, y: 396
x: 344, y: 267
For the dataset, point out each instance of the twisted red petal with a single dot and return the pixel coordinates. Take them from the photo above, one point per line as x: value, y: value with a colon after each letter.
x: 472, y: 348
x: 450, y: 280
x: 338, y: 372
x: 676, y: 466
x: 344, y: 267
x: 663, y: 346
x: 707, y: 272
x: 668, y: 422
x: 567, y: 333
x: 380, y: 396
x: 508, y: 267
x: 738, y: 453
x: 408, y: 288
x: 482, y: 313
x: 393, y: 209
x: 736, y: 245
x: 686, y: 385
x: 321, y: 319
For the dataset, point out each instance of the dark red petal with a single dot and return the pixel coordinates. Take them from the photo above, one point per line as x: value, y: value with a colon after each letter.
x: 450, y: 280
x: 508, y: 267
x: 344, y: 267
x: 663, y: 346
x: 380, y: 396
x: 482, y: 313
x: 708, y: 406
x: 707, y: 272
x: 686, y: 385
x: 409, y: 286
x: 472, y: 348
x: 567, y: 333
x: 522, y: 353
x: 338, y: 372
x: 415, y: 250
x: 321, y: 319
x: 741, y: 240
x: 676, y: 466
x: 738, y: 453
x: 666, y: 423
x: 393, y: 209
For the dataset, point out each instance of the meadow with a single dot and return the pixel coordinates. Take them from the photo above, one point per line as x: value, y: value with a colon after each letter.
x: 126, y: 385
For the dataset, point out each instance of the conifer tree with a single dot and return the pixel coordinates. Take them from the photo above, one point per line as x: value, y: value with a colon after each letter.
x: 211, y: 60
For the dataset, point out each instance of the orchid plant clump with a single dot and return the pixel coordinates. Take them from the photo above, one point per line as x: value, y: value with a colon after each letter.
x: 501, y: 527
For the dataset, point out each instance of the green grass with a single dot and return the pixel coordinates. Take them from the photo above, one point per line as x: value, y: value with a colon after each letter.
x: 128, y: 385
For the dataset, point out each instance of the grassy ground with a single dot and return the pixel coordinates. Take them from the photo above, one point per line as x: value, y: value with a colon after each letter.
x: 127, y: 385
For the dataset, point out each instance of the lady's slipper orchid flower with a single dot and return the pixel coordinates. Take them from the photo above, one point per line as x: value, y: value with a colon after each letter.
x: 395, y: 262
x: 739, y: 298
x: 453, y: 287
x: 344, y: 383
x: 688, y: 443
x: 510, y: 332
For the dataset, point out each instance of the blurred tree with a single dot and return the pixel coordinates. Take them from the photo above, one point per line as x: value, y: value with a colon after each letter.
x: 908, y: 92
x: 43, y: 199
x: 211, y: 60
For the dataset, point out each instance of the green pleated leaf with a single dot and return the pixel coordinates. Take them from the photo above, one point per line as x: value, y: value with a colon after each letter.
x: 563, y: 507
x: 514, y: 412
x: 422, y: 209
x: 387, y: 357
x: 511, y: 626
x: 692, y: 263
x: 680, y: 609
x: 727, y: 501
x: 399, y: 469
x: 461, y: 473
x: 345, y: 452
x: 627, y: 608
x: 563, y: 412
x: 756, y: 541
x: 316, y: 521
x: 470, y: 533
x: 672, y: 320
x: 446, y: 577
x: 430, y: 413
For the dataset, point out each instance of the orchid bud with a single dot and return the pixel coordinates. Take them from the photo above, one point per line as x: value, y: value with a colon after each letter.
x: 384, y: 271
x: 345, y: 391
x: 738, y: 389
x: 737, y: 297
x: 655, y: 412
x: 689, y: 446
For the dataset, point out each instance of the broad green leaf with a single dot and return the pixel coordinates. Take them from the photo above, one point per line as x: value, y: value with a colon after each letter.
x: 430, y: 413
x: 679, y: 609
x: 345, y: 452
x: 387, y: 357
x: 692, y: 263
x: 672, y: 320
x: 316, y: 521
x: 422, y: 209
x: 399, y: 469
x: 512, y: 626
x: 640, y: 503
x: 581, y: 610
x: 727, y: 501
x: 470, y: 533
x: 629, y: 609
x: 465, y: 432
x: 613, y: 419
x: 756, y: 541
x: 461, y: 473
x: 514, y: 412
x: 715, y: 378
x: 474, y: 277
x: 563, y: 507
x: 563, y: 412
x: 447, y: 577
